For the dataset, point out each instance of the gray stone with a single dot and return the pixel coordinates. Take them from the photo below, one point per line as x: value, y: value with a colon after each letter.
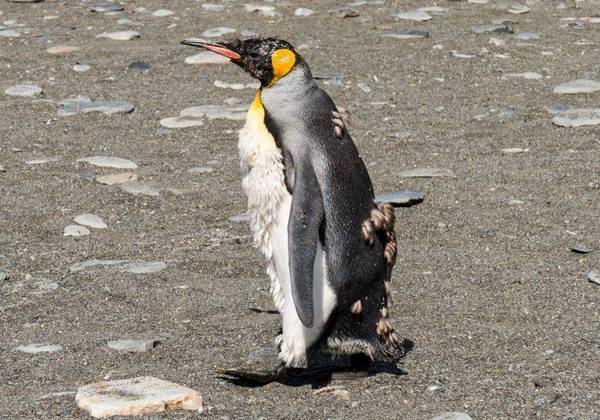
x: 514, y: 150
x: 417, y: 15
x: 406, y: 34
x: 400, y: 198
x: 268, y: 11
x: 25, y: 1
x: 133, y: 345
x: 139, y: 66
x: 593, y: 276
x: 109, y: 162
x: 559, y: 108
x: 134, y: 267
x: 107, y: 7
x: 303, y: 11
x: 240, y: 217
x: 528, y: 36
x: 453, y: 415
x: 200, y: 170
x: 23, y: 90
x: 527, y: 75
x: 83, y: 105
x: 76, y: 230
x: 231, y: 112
x: 93, y: 264
x: 216, y: 32
x: 40, y: 161
x: 143, y: 267
x: 46, y: 284
x: 113, y: 179
x: 119, y: 35
x: 137, y: 187
x: 80, y: 68
x: 9, y: 33
x: 62, y: 49
x: 327, y: 75
x: 206, y: 57
x: 90, y: 220
x: 491, y: 28
x: 348, y: 13
x: 213, y: 7
x: 136, y: 396
x: 427, y: 173
x: 581, y: 249
x: 577, y: 118
x: 180, y: 122
x: 518, y: 9
x: 578, y: 86
x: 163, y: 13
x: 4, y: 276
x: 39, y: 348
x: 402, y: 134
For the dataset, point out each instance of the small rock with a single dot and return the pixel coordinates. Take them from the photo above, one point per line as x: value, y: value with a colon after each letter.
x: 39, y: 348
x: 577, y: 118
x: 136, y: 396
x: 403, y: 134
x: 109, y: 162
x: 417, y: 15
x: 90, y: 220
x: 106, y: 7
x: 24, y: 90
x: 179, y: 122
x: 143, y: 267
x: 347, y: 13
x: 119, y: 35
x: 268, y: 11
x: 9, y: 33
x: 454, y: 415
x: 162, y: 13
x: 200, y: 170
x: 364, y: 87
x: 514, y: 150
x: 46, y: 284
x: 581, y: 249
x: 528, y: 36
x: 83, y: 105
x: 578, y: 86
x: 240, y: 217
x: 220, y: 31
x: 206, y: 57
x: 527, y: 75
x: 113, y: 179
x: 138, y: 65
x: 303, y: 11
x: 76, y: 230
x: 25, y: 1
x: 435, y: 389
x: 400, y: 198
x: 518, y: 9
x: 40, y: 161
x: 593, y: 276
x: 461, y: 55
x: 213, y: 7
x: 137, y: 187
x: 406, y: 34
x: 491, y: 28
x: 4, y: 276
x: 133, y: 345
x: 81, y: 68
x: 62, y: 49
x: 92, y: 264
x: 336, y: 390
x: 134, y: 267
x: 497, y: 42
x: 427, y: 173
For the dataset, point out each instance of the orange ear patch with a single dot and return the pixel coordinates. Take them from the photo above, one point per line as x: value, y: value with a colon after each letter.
x: 283, y: 61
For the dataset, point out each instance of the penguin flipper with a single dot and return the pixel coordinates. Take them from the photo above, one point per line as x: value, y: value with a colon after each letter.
x: 306, y: 216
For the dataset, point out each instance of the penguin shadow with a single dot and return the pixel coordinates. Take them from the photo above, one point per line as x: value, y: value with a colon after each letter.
x: 318, y: 376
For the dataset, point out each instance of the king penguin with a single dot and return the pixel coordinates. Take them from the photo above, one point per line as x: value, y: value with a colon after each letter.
x: 329, y: 247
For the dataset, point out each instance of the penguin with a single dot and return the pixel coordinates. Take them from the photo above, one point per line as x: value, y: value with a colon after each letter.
x: 329, y: 247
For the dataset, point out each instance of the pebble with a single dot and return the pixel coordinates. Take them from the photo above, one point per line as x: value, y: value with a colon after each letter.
x: 4, y: 276
x: 427, y: 173
x: 136, y: 396
x: 403, y: 134
x: 528, y: 36
x: 364, y: 87
x: 179, y: 122
x: 134, y: 267
x: 83, y: 105
x: 133, y: 345
x: 9, y: 33
x: 303, y: 11
x: 81, y: 68
x: 163, y: 13
x: 39, y: 348
x: 113, y: 179
x: 453, y: 415
x: 491, y: 28
x: 46, y: 284
x: 577, y: 118
x: 461, y: 55
x: 406, y: 34
x: 213, y: 7
x: 578, y: 86
x: 109, y: 162
x: 268, y: 11
x: 347, y: 13
x: 107, y: 7
x: 518, y: 9
x: 76, y: 230
x: 24, y: 90
x: 417, y: 15
x: 220, y: 31
x: 400, y: 198
x: 206, y: 57
x: 527, y: 75
x: 62, y: 49
x: 138, y: 65
x: 593, y: 276
x: 90, y: 220
x: 514, y: 150
x: 336, y: 390
x: 240, y: 217
x: 581, y: 249
x: 137, y: 188
x: 201, y: 170
x: 119, y: 35
x: 40, y: 161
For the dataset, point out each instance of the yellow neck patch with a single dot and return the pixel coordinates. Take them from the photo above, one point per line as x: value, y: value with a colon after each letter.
x: 283, y: 61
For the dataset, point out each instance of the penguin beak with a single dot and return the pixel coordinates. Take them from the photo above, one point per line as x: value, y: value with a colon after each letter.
x: 221, y: 49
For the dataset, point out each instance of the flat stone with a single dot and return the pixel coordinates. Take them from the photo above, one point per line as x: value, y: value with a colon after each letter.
x: 62, y: 49
x: 107, y: 7
x: 220, y: 31
x: 93, y: 264
x: 206, y: 57
x: 109, y: 162
x: 90, y: 220
x: 335, y: 390
x: 119, y: 35
x: 76, y: 230
x: 527, y: 75
x: 240, y: 217
x: 136, y: 396
x: 230, y: 112
x: 25, y: 1
x: 303, y: 11
x: 433, y: 9
x: 593, y: 276
x: 427, y: 173
x: 514, y: 150
x: 163, y: 13
x: 577, y: 118
x: 4, y: 276
x: 453, y: 415
x: 113, y: 179
x: 83, y: 105
x: 200, y: 170
x: 348, y: 13
x: 143, y: 267
x: 402, y: 134
x: 133, y: 345
x: 406, y: 34
x: 417, y: 15
x: 80, y: 68
x: 9, y: 33
x: 137, y: 188
x: 134, y: 267
x: 400, y: 198
x: 179, y: 122
x: 518, y: 9
x: 41, y: 161
x: 268, y: 11
x: 491, y: 28
x: 213, y: 7
x: 39, y: 348
x: 462, y: 55
x: 46, y: 284
x: 139, y: 66
x: 23, y: 90
x: 528, y: 36
x: 581, y: 249
x: 578, y: 86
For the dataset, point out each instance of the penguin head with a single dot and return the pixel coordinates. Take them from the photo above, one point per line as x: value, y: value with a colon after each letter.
x: 265, y: 59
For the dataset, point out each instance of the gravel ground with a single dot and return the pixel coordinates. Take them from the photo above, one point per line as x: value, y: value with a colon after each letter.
x: 504, y: 321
